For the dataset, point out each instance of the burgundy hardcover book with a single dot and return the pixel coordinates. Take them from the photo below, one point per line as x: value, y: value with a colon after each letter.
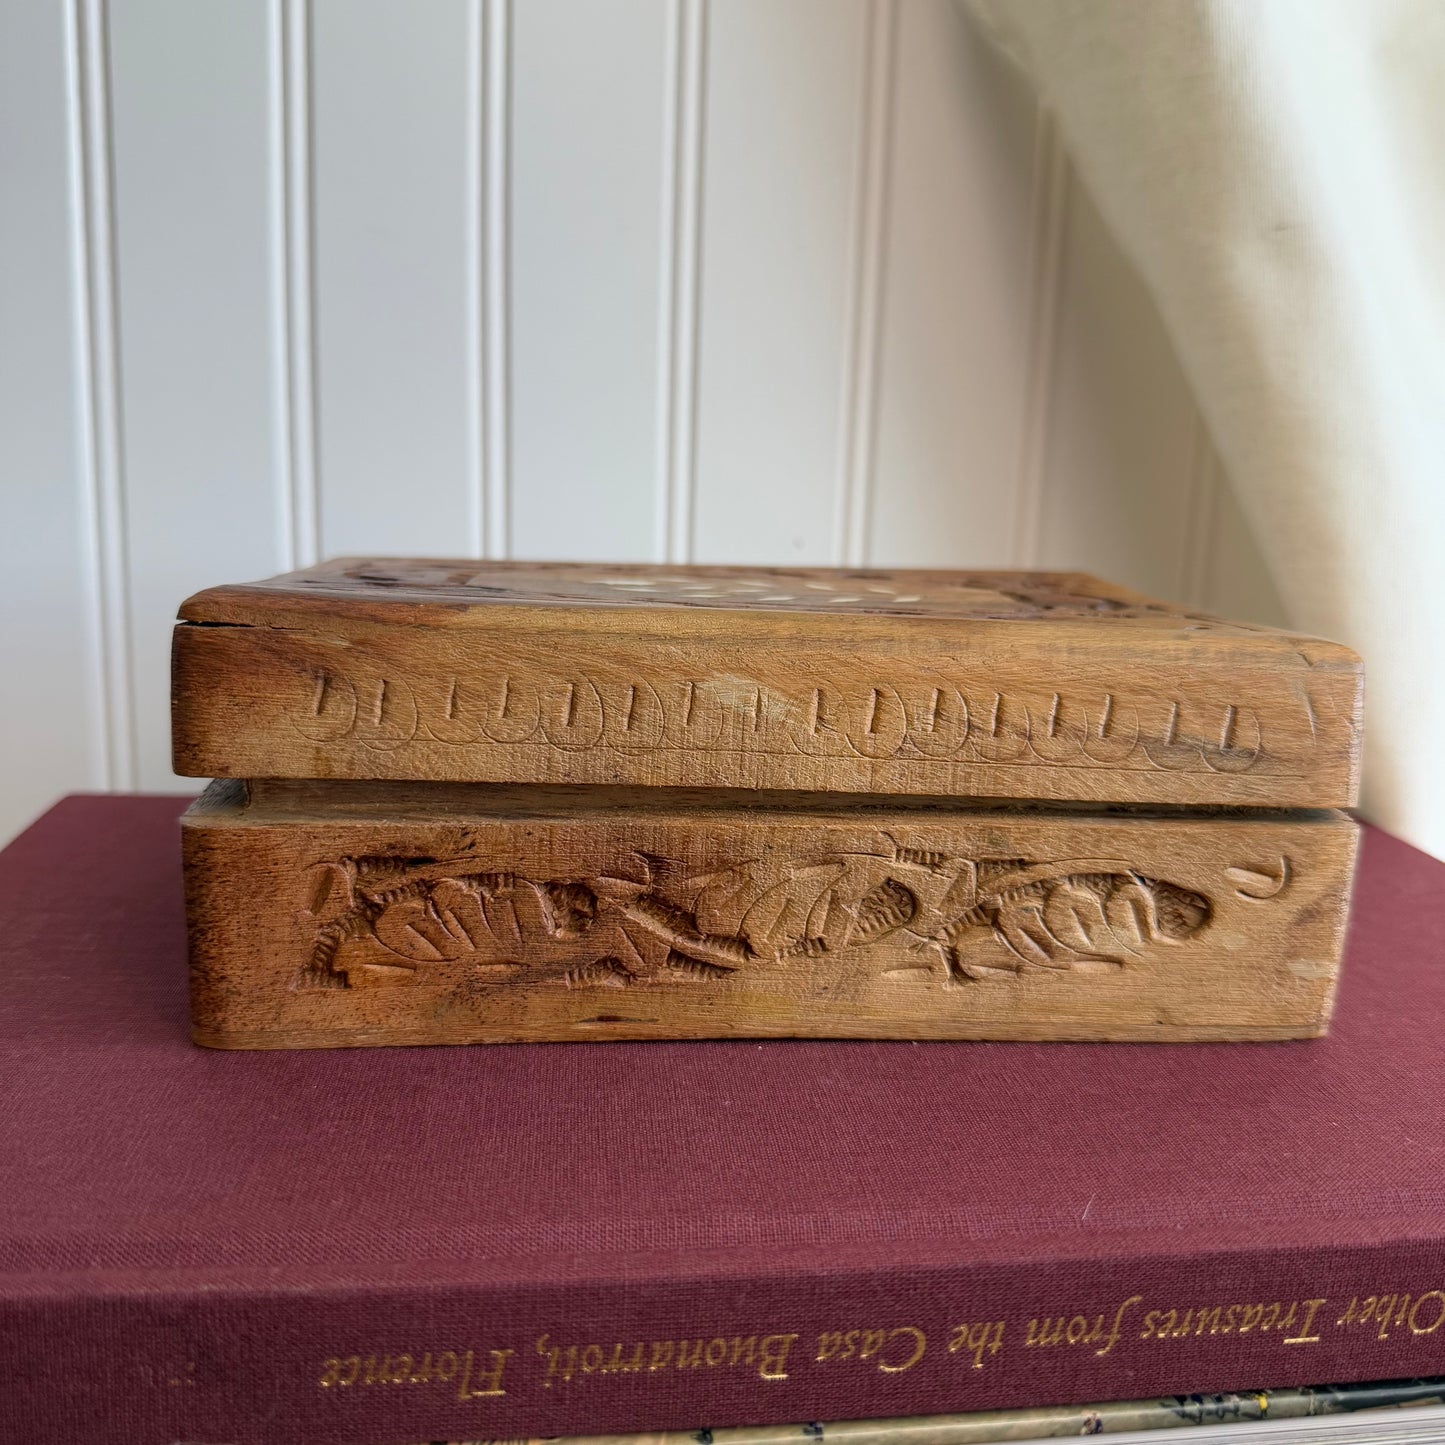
x: 501, y: 1241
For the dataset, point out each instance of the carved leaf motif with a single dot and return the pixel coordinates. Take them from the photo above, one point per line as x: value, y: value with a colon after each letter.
x: 779, y: 912
x: 1062, y: 916
x: 453, y: 919
x: 1074, y: 915
x: 500, y: 927
x: 822, y: 907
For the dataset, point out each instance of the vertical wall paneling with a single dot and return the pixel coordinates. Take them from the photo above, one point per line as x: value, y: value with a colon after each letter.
x: 496, y: 402
x: 389, y: 154
x: 1047, y: 217
x: 682, y: 141
x: 1197, y: 535
x: 1220, y: 566
x: 860, y: 396
x: 956, y: 298
x: 103, y: 461
x: 1236, y: 579
x: 738, y: 281
x: 784, y: 86
x: 1121, y: 436
x: 194, y: 296
x: 588, y: 116
x: 474, y: 272
x: 54, y: 738
x: 288, y: 73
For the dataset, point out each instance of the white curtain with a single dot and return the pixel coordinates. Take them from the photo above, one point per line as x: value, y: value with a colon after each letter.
x: 1276, y: 170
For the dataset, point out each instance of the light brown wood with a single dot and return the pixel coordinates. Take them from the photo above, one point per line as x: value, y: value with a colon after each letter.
x: 334, y: 915
x: 987, y: 685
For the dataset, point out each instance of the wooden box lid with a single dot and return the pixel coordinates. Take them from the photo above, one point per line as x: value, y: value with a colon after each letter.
x: 1024, y: 685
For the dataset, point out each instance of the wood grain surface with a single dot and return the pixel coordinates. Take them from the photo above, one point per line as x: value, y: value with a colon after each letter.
x: 347, y: 914
x: 926, y: 683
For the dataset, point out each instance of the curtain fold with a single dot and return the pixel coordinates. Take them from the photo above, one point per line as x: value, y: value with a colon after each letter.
x: 1276, y: 171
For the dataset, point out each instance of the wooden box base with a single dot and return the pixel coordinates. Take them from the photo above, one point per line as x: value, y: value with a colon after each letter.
x: 337, y: 915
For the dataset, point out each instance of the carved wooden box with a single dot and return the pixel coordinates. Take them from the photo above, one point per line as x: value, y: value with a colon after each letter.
x: 489, y: 802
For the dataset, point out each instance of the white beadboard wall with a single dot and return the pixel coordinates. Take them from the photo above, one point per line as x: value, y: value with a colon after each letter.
x: 803, y: 281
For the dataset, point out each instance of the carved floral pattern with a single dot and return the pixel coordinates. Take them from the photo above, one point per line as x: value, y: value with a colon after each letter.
x: 961, y: 918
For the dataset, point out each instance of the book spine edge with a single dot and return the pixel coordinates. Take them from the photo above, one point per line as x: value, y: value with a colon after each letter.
x: 298, y: 1363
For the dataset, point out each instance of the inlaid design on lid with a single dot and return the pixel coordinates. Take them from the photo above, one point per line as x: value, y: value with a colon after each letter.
x: 1005, y: 596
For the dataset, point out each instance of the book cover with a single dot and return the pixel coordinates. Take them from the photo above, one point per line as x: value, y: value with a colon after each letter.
x: 466, y: 1243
